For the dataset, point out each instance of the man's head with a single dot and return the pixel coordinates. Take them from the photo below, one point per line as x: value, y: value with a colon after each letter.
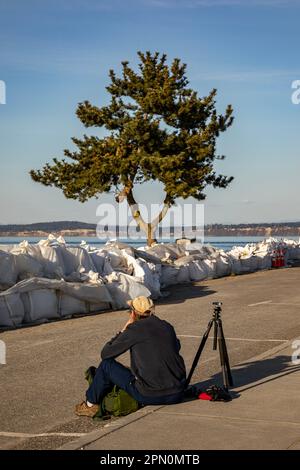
x: 141, y: 307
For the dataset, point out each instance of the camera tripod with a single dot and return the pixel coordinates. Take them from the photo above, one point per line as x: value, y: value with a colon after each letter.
x: 218, y: 340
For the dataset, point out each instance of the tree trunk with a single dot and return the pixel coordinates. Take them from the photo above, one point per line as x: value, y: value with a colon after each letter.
x: 150, y: 227
x: 151, y: 234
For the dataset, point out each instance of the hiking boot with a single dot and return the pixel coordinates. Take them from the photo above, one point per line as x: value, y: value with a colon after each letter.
x: 83, y: 410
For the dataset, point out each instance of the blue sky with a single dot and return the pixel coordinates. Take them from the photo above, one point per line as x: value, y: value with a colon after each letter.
x: 56, y: 53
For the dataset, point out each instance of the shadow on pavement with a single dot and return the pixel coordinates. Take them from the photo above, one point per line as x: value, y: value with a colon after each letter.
x: 179, y: 293
x: 249, y: 373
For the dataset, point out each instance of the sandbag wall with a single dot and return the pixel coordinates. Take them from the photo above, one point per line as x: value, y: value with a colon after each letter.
x: 51, y: 280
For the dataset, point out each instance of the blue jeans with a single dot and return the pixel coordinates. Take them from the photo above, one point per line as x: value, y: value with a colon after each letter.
x: 110, y: 373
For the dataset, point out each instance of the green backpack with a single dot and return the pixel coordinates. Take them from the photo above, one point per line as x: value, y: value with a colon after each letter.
x: 116, y: 403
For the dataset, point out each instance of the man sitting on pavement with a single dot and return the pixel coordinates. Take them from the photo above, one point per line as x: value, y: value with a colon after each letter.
x: 157, y: 373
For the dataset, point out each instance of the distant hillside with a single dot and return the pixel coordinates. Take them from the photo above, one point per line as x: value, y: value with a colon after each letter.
x: 47, y: 226
x: 75, y: 228
x: 264, y: 229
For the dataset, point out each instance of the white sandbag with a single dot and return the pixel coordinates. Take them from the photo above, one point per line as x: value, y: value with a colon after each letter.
x: 197, y: 270
x: 148, y: 274
x: 183, y: 275
x: 245, y: 265
x: 7, y: 248
x: 223, y: 266
x: 92, y: 278
x: 166, y: 252
x: 141, y: 252
x: 249, y: 264
x: 8, y: 270
x: 115, y: 257
x: 32, y: 249
x: 53, y: 261
x: 185, y: 260
x: 236, y: 267
x: 195, y: 246
x: 68, y: 306
x: 70, y: 259
x: 169, y: 275
x: 293, y: 252
x: 40, y: 305
x: 206, y: 251
x: 121, y: 246
x: 98, y: 259
x: 28, y: 266
x: 152, y: 277
x: 107, y: 269
x: 159, y: 251
x: 116, y: 261
x: 11, y: 310
x: 125, y: 288
x: 264, y: 261
x: 210, y: 266
x: 77, y: 259
x: 89, y: 292
x: 177, y: 249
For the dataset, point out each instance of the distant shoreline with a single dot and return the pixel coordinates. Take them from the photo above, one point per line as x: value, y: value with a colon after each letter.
x: 276, y: 231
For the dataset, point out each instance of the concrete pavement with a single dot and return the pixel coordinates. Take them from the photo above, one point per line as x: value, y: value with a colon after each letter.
x: 43, y: 377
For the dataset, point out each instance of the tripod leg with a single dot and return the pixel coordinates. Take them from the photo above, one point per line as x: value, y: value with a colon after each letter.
x: 198, y: 353
x: 215, y: 336
x: 227, y: 376
x: 218, y: 338
x: 223, y: 367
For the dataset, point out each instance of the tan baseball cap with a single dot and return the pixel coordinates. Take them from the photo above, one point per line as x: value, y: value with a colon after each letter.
x: 142, y: 305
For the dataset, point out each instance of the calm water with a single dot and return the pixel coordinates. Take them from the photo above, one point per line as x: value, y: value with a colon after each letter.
x: 225, y: 243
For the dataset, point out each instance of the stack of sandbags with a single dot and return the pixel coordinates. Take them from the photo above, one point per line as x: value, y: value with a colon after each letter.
x: 37, y: 300
x: 107, y: 277
x: 62, y: 262
x: 52, y: 259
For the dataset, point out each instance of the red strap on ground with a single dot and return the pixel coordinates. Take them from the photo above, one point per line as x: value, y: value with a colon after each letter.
x: 204, y: 396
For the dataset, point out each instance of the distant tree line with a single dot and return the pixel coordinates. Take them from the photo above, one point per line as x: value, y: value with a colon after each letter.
x: 75, y: 225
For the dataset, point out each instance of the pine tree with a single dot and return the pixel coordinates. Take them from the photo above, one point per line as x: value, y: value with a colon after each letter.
x: 158, y: 129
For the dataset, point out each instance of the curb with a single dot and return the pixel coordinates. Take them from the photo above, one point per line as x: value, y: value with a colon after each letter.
x: 81, y: 442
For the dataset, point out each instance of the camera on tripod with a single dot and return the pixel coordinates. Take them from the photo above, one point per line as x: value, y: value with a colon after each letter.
x: 217, y: 308
x: 218, y: 343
